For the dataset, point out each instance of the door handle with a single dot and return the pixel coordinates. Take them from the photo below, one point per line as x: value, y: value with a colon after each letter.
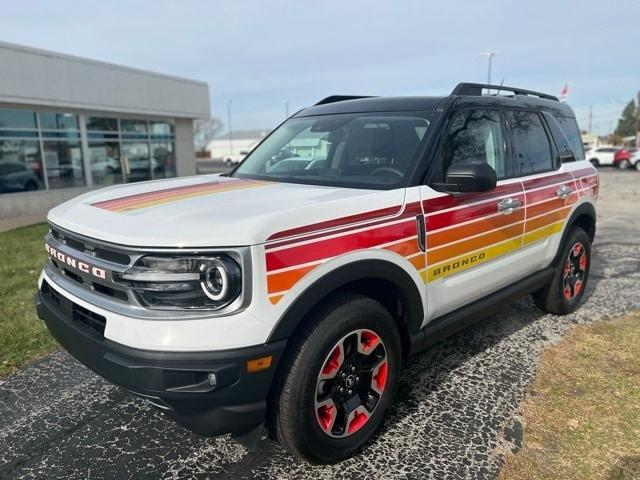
x: 508, y: 205
x: 564, y: 191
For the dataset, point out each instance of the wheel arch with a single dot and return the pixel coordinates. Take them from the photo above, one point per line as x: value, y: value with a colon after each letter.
x: 584, y: 216
x: 382, y: 280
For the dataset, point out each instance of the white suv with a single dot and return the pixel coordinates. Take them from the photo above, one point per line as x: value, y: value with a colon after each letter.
x: 288, y: 297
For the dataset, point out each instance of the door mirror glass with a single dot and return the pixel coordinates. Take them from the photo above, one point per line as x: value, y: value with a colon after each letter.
x: 469, y: 177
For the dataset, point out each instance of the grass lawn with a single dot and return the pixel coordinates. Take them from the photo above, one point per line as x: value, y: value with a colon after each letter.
x: 582, y: 419
x: 23, y: 336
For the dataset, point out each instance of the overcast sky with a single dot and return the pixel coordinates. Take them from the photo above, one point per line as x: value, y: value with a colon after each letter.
x: 261, y: 53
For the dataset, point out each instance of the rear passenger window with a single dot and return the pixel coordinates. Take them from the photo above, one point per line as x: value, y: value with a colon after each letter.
x: 475, y: 136
x: 571, y: 131
x: 531, y: 148
x: 565, y: 151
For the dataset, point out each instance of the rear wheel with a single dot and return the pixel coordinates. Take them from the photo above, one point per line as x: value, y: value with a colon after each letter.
x: 638, y: 165
x: 563, y: 294
x: 341, y: 380
x: 595, y: 162
x: 624, y: 164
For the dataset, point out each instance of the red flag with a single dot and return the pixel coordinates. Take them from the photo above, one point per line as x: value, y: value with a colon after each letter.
x: 564, y: 92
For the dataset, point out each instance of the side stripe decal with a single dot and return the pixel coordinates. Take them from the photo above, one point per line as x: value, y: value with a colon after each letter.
x: 463, y: 231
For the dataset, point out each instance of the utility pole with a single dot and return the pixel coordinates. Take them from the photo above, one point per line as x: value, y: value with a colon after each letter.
x: 489, y: 55
x: 590, y: 117
x: 230, y: 127
x: 286, y: 109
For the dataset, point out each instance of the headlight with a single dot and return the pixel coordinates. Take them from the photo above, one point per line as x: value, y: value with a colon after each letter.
x: 185, y: 282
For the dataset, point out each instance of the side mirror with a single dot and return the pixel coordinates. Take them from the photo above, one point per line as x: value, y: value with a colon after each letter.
x: 469, y: 177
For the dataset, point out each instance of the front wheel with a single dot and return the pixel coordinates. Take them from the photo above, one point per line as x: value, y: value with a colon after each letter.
x: 563, y: 294
x: 638, y: 165
x: 341, y: 379
x: 624, y: 164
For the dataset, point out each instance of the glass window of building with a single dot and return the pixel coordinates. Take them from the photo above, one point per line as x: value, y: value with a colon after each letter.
x: 58, y: 121
x: 63, y: 163
x: 160, y: 129
x: 20, y: 166
x: 133, y: 128
x: 163, y: 160
x: 102, y: 124
x: 136, y: 160
x: 104, y: 158
x: 17, y: 119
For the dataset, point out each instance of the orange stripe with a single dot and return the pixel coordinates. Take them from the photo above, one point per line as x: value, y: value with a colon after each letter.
x: 275, y: 299
x: 418, y: 261
x: 406, y: 248
x: 460, y: 248
x: 437, y: 239
x: 544, y: 207
x: 547, y: 219
x: 282, y: 281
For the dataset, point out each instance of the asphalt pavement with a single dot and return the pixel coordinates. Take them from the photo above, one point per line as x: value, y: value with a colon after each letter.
x: 455, y: 415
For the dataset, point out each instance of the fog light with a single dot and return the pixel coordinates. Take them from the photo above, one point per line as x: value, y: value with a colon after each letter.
x: 211, y: 379
x: 258, y: 364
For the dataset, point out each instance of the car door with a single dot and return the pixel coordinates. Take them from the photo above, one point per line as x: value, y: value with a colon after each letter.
x: 472, y: 239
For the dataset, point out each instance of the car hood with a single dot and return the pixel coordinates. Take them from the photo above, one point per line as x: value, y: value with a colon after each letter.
x: 212, y: 211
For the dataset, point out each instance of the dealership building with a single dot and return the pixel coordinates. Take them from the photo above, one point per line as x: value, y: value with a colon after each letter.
x: 70, y: 124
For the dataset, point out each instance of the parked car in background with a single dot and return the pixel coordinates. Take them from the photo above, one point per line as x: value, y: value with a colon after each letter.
x: 16, y: 177
x: 609, y: 156
x: 634, y: 159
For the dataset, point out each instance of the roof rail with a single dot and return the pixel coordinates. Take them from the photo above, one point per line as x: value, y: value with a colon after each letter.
x: 475, y: 89
x: 340, y: 98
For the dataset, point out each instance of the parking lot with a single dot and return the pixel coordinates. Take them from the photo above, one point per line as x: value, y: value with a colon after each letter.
x: 455, y: 415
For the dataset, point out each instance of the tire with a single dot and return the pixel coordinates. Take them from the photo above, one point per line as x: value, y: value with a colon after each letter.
x: 30, y: 186
x: 624, y: 164
x: 595, y: 162
x: 563, y: 294
x: 637, y: 165
x: 318, y: 427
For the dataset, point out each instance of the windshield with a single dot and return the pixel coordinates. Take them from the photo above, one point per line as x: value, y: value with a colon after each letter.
x: 351, y: 150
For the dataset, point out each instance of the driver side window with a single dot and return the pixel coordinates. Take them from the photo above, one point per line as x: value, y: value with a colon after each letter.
x: 475, y: 136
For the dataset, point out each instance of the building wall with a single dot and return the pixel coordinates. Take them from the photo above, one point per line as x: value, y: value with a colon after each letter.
x: 48, y: 82
x: 37, y: 77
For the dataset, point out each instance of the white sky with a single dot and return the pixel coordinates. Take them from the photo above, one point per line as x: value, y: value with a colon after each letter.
x: 261, y: 53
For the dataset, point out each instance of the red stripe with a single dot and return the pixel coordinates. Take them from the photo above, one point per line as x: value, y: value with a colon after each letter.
x: 450, y: 201
x: 473, y: 212
x: 546, y: 193
x: 411, y: 210
x: 332, y: 247
x: 544, y: 181
x: 338, y: 222
x: 585, y: 171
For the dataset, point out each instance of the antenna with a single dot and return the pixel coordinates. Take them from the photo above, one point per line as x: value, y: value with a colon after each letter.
x: 499, y: 88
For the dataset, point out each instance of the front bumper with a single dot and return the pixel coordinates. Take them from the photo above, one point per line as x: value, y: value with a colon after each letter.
x: 177, y: 382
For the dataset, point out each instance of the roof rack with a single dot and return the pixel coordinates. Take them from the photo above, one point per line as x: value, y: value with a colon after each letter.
x: 340, y: 98
x: 475, y: 89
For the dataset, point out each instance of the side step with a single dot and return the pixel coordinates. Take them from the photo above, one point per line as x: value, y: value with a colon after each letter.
x: 442, y: 327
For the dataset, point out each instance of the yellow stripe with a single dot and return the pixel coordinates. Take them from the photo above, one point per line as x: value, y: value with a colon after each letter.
x: 275, y: 298
x: 465, y: 262
x: 536, y: 235
x: 184, y: 196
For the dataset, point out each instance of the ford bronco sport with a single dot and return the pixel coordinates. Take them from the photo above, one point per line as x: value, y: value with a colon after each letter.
x: 287, y: 293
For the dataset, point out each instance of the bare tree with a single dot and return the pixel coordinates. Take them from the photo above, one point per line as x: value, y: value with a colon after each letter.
x: 204, y: 130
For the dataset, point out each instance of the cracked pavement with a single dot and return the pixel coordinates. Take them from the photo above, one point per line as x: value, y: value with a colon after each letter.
x: 455, y: 415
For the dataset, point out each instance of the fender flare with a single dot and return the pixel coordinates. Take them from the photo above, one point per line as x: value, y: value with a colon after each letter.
x: 585, y: 208
x: 374, y: 269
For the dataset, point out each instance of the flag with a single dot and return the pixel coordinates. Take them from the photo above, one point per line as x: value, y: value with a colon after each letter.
x: 564, y: 91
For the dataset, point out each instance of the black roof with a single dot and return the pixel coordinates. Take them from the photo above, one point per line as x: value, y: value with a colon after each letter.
x: 467, y: 94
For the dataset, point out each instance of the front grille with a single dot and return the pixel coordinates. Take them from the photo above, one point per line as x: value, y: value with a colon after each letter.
x: 89, y: 321
x: 94, y: 253
x: 91, y: 248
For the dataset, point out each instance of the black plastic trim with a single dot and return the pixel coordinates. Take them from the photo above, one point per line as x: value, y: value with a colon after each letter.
x: 175, y: 381
x: 442, y: 327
